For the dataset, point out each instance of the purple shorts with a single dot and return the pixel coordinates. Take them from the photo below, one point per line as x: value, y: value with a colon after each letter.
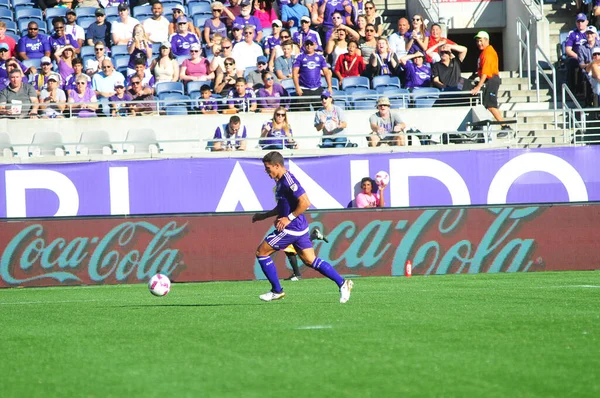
x: 281, y: 240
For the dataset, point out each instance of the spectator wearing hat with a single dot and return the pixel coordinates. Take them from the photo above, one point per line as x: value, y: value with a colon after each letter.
x: 292, y: 12
x: 307, y: 73
x: 265, y: 12
x: 33, y: 45
x: 214, y: 25
x: 122, y: 29
x: 71, y: 27
x: 157, y: 27
x: 489, y: 74
x: 69, y: 82
x: 99, y: 30
x: 386, y: 127
x: 273, y: 40
x: 305, y: 33
x: 246, y: 52
x: 18, y: 100
x: 241, y: 97
x: 11, y: 44
x: 165, y: 67
x: 417, y: 72
x: 576, y: 38
x: 178, y: 12
x: 41, y: 78
x: 245, y: 19
x: 237, y: 34
x: 182, y: 41
x: 53, y: 100
x: 331, y: 120
x: 584, y: 53
x: 119, y: 105
x: 196, y: 68
x: 254, y: 78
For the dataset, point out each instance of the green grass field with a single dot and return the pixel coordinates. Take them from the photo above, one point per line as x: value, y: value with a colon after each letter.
x: 503, y: 335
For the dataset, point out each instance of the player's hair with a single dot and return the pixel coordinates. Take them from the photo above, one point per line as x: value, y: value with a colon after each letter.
x: 240, y: 80
x: 273, y: 157
x: 204, y: 88
x: 235, y: 120
x: 286, y: 124
x: 365, y: 179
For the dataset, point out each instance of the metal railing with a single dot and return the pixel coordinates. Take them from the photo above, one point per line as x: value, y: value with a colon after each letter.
x: 539, y: 70
x: 524, y: 46
x: 574, y: 118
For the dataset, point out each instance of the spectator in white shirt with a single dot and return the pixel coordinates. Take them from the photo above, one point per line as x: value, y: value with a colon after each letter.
x: 246, y: 52
x: 397, y: 41
x: 122, y: 30
x: 157, y: 27
x: 71, y: 28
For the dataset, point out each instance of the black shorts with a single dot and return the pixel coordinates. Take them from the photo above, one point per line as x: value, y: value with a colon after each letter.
x: 490, y: 92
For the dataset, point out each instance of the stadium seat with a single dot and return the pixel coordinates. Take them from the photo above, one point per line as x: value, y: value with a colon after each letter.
x: 169, y: 5
x: 385, y: 81
x: 141, y: 141
x: 120, y: 61
x: 188, y: 2
x: 95, y: 143
x: 47, y: 143
x: 85, y: 22
x: 561, y: 50
x: 112, y: 18
x: 5, y: 4
x: 6, y: 148
x: 111, y: 12
x: 6, y: 14
x: 335, y: 83
x: 138, y: 11
x: 199, y: 8
x: 155, y: 48
x: 288, y: 84
x: 194, y: 87
x: 399, y: 97
x: 199, y: 20
x: 119, y: 50
x: 171, y: 99
x: 87, y: 51
x: 85, y: 12
x: 425, y: 97
x: 17, y: 4
x: 15, y: 36
x: 35, y: 62
x: 54, y: 12
x: 363, y: 99
x: 164, y: 88
x: 177, y: 110
x: 355, y: 81
x: 11, y: 27
x: 22, y: 24
x: 267, y: 32
x: 30, y: 13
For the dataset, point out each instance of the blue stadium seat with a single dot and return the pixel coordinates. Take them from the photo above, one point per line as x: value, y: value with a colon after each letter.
x: 193, y: 87
x: 177, y: 110
x: 174, y: 99
x: 199, y: 20
x: 54, y: 12
x: 111, y: 12
x: 385, y: 81
x: 164, y: 88
x: 363, y: 99
x: 30, y: 13
x: 181, y: 58
x: 355, y: 81
x: 85, y: 22
x: 141, y: 10
x: 17, y: 4
x: 288, y: 84
x: 399, y: 97
x: 335, y: 83
x: 425, y: 97
x: 561, y: 49
x: 87, y: 51
x: 169, y: 5
x: 36, y: 62
x: 5, y: 4
x: 22, y: 24
x: 120, y: 61
x: 85, y: 12
x: 188, y: 2
x: 15, y: 36
x: 199, y: 8
x: 112, y: 18
x: 6, y: 14
x: 267, y: 31
x: 119, y: 50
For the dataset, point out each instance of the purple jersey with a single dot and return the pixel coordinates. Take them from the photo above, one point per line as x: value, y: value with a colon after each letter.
x: 275, y: 133
x: 414, y: 47
x: 181, y: 44
x: 331, y: 7
x: 271, y: 42
x: 252, y: 20
x: 310, y: 70
x: 300, y: 37
x: 417, y: 76
x: 241, y: 102
x: 287, y: 193
x: 34, y: 48
x: 70, y: 83
x: 4, y: 74
x: 138, y: 53
x: 207, y: 104
x: 56, y: 42
x: 575, y: 39
x: 233, y: 140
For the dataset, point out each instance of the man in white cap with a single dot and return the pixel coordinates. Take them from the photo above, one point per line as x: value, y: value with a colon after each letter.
x: 40, y: 79
x: 178, y: 12
x: 122, y: 29
x: 245, y: 19
x: 306, y: 33
x: 53, y: 99
x: 489, y: 74
x: 584, y: 53
x: 273, y: 40
x: 157, y: 27
x: 386, y: 127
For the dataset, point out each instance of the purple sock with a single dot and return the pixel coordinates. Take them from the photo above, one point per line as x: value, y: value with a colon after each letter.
x: 327, y: 270
x: 268, y: 267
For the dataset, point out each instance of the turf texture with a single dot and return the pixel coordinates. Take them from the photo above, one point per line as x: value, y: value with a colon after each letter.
x: 502, y: 335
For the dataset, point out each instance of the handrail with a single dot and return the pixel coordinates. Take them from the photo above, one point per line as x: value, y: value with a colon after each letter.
x: 538, y: 5
x: 525, y: 46
x: 540, y: 70
x: 574, y: 124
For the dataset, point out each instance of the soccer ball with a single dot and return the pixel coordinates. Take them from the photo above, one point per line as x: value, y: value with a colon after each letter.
x: 159, y: 285
x: 382, y: 178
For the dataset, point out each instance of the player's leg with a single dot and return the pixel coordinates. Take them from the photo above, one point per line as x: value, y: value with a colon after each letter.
x: 263, y: 254
x: 291, y: 256
x: 306, y: 252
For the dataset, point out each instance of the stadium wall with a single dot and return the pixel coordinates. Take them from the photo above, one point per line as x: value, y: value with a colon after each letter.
x: 211, y: 247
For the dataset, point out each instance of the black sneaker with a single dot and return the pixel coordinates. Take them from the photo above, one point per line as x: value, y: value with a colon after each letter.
x: 504, y: 134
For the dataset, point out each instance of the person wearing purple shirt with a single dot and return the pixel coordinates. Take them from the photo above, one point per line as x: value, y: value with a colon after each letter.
x: 59, y: 38
x: 272, y: 95
x: 246, y: 19
x: 326, y: 10
x: 144, y: 75
x: 576, y: 38
x: 118, y: 102
x: 277, y: 132
x: 182, y: 40
x: 69, y: 83
x: 33, y: 45
x: 241, y: 97
x: 307, y: 74
x: 305, y: 33
x: 291, y: 228
x: 418, y: 73
x: 233, y: 132
x: 206, y: 103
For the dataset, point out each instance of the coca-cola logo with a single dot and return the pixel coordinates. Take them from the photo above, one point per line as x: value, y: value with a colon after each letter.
x: 117, y: 255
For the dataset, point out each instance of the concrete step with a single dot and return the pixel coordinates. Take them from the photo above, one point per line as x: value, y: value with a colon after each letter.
x: 524, y: 106
x: 507, y: 100
x: 522, y: 93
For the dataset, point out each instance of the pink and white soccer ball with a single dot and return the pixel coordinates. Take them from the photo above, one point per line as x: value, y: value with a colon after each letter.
x: 382, y: 178
x: 159, y: 285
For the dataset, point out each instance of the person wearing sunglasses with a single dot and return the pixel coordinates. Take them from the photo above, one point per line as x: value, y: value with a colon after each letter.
x: 273, y: 41
x: 436, y: 40
x: 40, y: 79
x: 165, y: 67
x: 277, y: 132
x: 306, y: 74
x: 246, y: 52
x: 386, y: 126
x: 272, y: 94
x: 157, y: 26
x: 122, y: 29
x: 104, y: 82
x: 326, y: 9
x: 141, y: 73
x: 255, y: 76
x: 61, y: 39
x: 417, y: 71
x: 246, y: 19
x: 182, y: 41
x: 331, y: 120
x: 226, y: 79
x: 83, y: 101
x: 119, y: 103
x: 196, y: 68
x: 8, y: 40
x: 64, y: 57
x: 277, y: 50
x: 417, y: 39
x: 71, y: 27
x: 33, y: 44
x: 53, y: 100
x: 373, y: 18
x: 306, y: 33
x: 143, y: 103
x: 217, y: 65
x: 445, y: 74
x: 368, y: 44
x: 99, y: 30
x: 292, y: 12
x: 214, y: 25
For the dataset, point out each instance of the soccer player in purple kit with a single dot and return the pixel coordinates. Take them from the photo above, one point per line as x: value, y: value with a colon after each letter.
x: 291, y: 228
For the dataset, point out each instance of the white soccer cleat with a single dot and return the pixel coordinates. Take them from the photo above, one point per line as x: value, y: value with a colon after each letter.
x: 345, y: 291
x: 270, y: 296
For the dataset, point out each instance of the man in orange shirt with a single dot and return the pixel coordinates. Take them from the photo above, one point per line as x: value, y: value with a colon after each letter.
x: 489, y: 74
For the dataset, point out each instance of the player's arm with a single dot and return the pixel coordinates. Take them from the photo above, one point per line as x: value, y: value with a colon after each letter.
x: 263, y: 216
x: 303, y: 205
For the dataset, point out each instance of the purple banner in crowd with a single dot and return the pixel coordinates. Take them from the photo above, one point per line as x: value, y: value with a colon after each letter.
x: 567, y: 174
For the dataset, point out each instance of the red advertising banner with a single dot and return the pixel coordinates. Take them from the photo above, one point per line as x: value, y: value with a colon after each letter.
x: 371, y: 242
